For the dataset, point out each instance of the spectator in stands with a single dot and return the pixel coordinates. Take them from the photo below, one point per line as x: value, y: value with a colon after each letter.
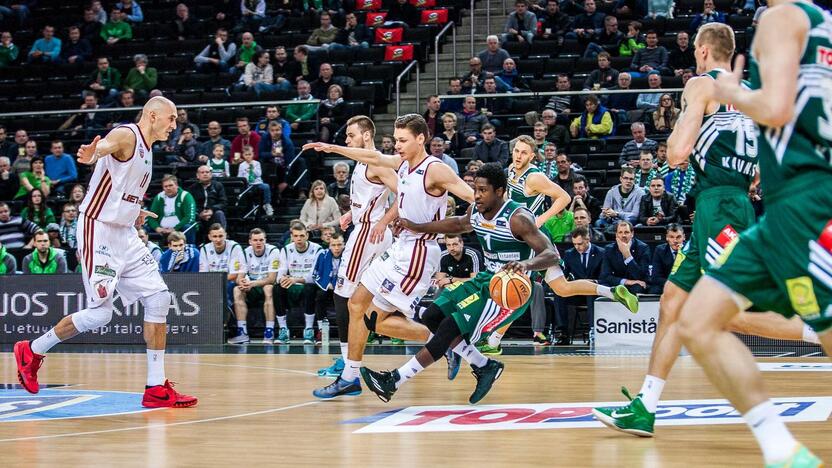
x: 206, y: 149
x: 341, y: 184
x: 295, y: 273
x: 77, y: 50
x: 257, y: 76
x: 388, y: 145
x: 594, y: 122
x: 630, y: 9
x: 621, y: 103
x: 219, y: 161
x: 98, y: 9
x: 660, y: 9
x: 77, y: 194
x: 472, y: 81
x: 510, y: 78
x: 583, y: 261
x: 184, y: 25
x: 132, y: 11
x: 402, y: 13
x: 141, y: 79
x: 664, y: 256
x: 35, y: 178
x: 631, y: 152
x: 556, y: 24
x: 582, y: 199
x: 323, y: 36
x: 665, y: 117
x: 175, y: 210
x: 303, y: 67
x: 245, y: 53
x: 472, y: 120
x: 185, y: 148
x: 653, y: 57
x: 658, y: 208
x: 8, y: 264
x: 565, y: 175
x: 299, y: 113
x: 648, y: 102
x: 320, y: 209
x: 353, y: 35
x: 104, y: 81
x: 627, y: 262
x: 9, y: 181
x: 90, y: 27
x: 661, y: 159
x: 493, y: 105
x: 679, y: 181
x: 7, y: 148
x: 458, y: 263
x: 179, y: 257
x: 431, y: 115
x: 125, y: 100
x: 17, y: 8
x: 490, y: 148
x: 646, y: 169
x: 454, y: 89
x: 604, y: 76
x: 493, y: 56
x: 14, y: 230
x: 437, y: 149
x: 9, y: 52
x: 154, y: 249
x: 60, y: 167
x: 45, y: 259
x: 251, y: 170
x: 583, y: 219
x: 36, y: 209
x: 246, y: 137
x: 564, y: 104
x: 539, y: 135
x: 320, y: 87
x: 210, y: 200
x: 218, y: 56
x: 69, y: 226
x: 632, y: 43
x: 454, y: 140
x: 585, y: 24
x: 622, y: 202
x: 606, y: 40
x: 27, y: 152
x: 521, y: 24
x: 709, y: 15
x: 182, y: 122
x: 687, y: 74
x: 559, y: 226
x: 273, y: 115
x: 681, y: 57
x: 46, y: 49
x: 325, y: 275
x: 116, y: 30
x: 278, y: 148
x: 555, y: 132
x: 252, y: 12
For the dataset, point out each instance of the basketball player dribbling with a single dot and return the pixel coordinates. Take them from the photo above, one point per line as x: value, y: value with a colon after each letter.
x: 113, y: 258
x: 395, y: 282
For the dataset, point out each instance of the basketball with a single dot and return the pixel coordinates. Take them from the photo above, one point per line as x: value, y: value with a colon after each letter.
x: 510, y: 290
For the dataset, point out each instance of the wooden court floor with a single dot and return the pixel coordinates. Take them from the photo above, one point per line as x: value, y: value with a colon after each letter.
x: 257, y: 409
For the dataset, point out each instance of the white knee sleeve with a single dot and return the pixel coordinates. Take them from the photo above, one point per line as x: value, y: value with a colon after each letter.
x: 553, y: 273
x: 156, y: 307
x: 90, y: 319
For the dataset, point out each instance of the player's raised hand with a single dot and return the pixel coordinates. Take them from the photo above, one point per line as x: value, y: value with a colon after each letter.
x: 144, y: 214
x: 515, y: 267
x: 86, y: 153
x: 727, y: 85
x: 318, y: 146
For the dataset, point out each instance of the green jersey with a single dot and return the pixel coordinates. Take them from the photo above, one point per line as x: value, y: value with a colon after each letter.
x: 499, y: 246
x: 802, y: 146
x: 725, y: 152
x: 517, y: 190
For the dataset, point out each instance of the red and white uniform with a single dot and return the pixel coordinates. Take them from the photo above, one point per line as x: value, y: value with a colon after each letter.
x: 113, y: 257
x: 368, y: 203
x: 401, y: 276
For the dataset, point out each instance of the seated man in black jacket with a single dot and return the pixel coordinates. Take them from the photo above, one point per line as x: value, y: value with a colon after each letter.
x: 664, y: 257
x: 658, y: 208
x: 210, y: 200
x: 583, y: 261
x: 627, y: 261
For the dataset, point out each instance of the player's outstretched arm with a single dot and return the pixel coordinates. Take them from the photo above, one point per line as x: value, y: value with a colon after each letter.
x: 369, y: 157
x: 539, y: 183
x: 695, y: 98
x: 387, y: 176
x: 444, y: 178
x: 449, y: 225
x: 545, y: 256
x: 778, y: 44
x: 113, y: 144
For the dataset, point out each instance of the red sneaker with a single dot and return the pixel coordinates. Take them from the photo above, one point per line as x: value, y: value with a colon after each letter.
x: 28, y: 364
x: 164, y: 396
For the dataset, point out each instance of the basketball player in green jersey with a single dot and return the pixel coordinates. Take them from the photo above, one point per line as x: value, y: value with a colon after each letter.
x: 722, y: 147
x: 783, y: 263
x: 528, y: 186
x: 464, y: 312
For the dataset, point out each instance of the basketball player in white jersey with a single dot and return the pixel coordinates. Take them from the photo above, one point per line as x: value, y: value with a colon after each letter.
x: 222, y: 255
x: 395, y: 282
x: 113, y: 258
x: 371, y: 214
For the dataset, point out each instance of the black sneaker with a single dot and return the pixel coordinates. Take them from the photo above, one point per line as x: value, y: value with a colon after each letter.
x: 383, y: 384
x: 486, y: 376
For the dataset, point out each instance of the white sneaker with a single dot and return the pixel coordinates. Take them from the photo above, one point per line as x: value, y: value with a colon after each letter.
x: 239, y: 339
x: 269, y: 210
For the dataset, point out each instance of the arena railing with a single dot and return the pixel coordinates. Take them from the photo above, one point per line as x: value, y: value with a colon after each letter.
x: 404, y: 73
x: 210, y: 105
x: 565, y: 93
x: 452, y: 27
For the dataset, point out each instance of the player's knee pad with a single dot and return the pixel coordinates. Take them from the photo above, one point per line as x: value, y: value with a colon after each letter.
x: 92, y: 318
x: 156, y: 307
x: 370, y: 320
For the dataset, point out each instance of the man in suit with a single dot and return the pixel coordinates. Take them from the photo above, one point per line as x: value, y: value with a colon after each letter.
x: 627, y: 262
x: 583, y: 261
x: 663, y: 258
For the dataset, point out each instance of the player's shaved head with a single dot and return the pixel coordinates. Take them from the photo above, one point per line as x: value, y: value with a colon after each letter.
x: 159, y: 104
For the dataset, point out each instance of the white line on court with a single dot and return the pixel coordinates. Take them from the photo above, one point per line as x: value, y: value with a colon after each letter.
x: 243, y: 366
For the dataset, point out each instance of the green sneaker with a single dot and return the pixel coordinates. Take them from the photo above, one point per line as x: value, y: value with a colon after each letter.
x: 396, y: 341
x: 488, y: 350
x: 633, y: 419
x: 373, y: 337
x: 486, y: 376
x: 625, y: 297
x: 801, y: 458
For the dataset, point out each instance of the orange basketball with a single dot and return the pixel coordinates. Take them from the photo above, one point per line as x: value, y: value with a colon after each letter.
x: 510, y: 290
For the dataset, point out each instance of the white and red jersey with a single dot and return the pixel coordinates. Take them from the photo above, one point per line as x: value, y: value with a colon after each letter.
x: 117, y: 188
x: 368, y: 199
x: 415, y: 203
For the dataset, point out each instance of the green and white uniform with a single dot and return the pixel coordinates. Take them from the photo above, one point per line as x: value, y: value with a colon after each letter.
x: 517, y: 190
x: 784, y: 263
x: 258, y: 267
x: 724, y: 159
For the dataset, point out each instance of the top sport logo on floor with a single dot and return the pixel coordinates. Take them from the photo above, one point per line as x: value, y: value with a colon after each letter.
x: 573, y: 415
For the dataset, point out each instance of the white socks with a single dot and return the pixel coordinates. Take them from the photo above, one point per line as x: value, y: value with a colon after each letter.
x: 809, y: 335
x: 45, y: 342
x: 470, y: 353
x: 408, y: 371
x: 242, y: 324
x: 155, y: 367
x: 344, y: 349
x: 494, y: 339
x: 651, y: 392
x: 604, y: 291
x: 270, y: 324
x: 310, y: 320
x: 282, y: 322
x: 351, y: 369
x: 774, y: 438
